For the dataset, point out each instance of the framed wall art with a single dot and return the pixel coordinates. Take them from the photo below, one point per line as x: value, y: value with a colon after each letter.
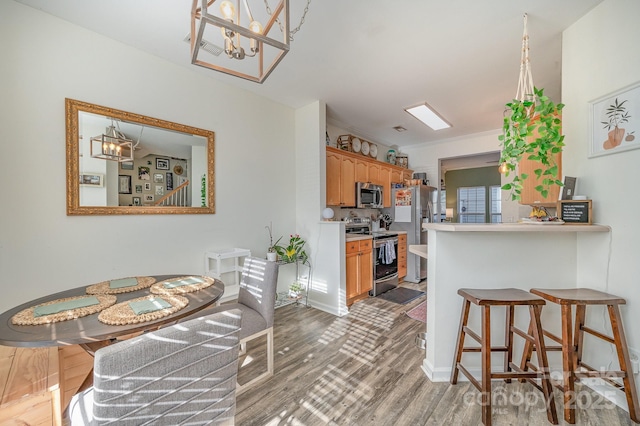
x: 169, y: 181
x: 148, y: 198
x: 126, y: 165
x: 93, y: 179
x: 137, y: 201
x: 158, y: 178
x: 147, y: 187
x: 162, y: 163
x: 143, y: 173
x: 615, y: 122
x: 124, y: 184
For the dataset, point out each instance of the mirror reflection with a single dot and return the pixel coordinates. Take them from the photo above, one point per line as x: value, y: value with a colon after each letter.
x: 124, y: 163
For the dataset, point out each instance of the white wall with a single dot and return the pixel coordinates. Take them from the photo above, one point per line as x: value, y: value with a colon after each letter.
x: 600, y: 55
x: 42, y: 250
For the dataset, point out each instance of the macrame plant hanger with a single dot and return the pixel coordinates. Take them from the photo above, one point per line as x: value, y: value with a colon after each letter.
x: 525, y: 82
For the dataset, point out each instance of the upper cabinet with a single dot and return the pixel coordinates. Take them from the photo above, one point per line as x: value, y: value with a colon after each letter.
x: 344, y: 169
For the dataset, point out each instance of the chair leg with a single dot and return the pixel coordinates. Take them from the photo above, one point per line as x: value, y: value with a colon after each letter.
x: 568, y: 357
x: 543, y: 364
x: 464, y: 318
x: 625, y: 363
x: 270, y: 357
x: 509, y: 340
x: 270, y: 351
x: 486, y: 365
x: 527, y: 351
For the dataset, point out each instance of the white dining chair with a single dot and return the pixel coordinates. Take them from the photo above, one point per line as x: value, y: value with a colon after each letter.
x: 182, y: 374
x: 256, y: 300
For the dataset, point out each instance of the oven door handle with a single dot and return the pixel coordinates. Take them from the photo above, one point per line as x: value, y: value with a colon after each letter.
x: 379, y: 243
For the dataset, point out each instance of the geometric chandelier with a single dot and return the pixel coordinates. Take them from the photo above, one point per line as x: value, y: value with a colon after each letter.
x: 230, y: 37
x: 112, y: 145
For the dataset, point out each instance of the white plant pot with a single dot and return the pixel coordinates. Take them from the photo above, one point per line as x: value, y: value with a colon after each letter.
x: 272, y: 256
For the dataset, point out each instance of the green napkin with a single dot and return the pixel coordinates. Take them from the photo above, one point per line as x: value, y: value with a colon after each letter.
x: 123, y: 282
x: 186, y: 281
x: 54, y: 308
x: 149, y: 305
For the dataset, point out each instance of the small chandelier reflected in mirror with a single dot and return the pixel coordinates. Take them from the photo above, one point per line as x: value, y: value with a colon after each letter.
x: 112, y: 145
x: 252, y: 42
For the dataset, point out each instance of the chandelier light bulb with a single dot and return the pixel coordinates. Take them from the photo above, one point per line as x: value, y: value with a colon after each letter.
x: 228, y: 10
x: 256, y: 27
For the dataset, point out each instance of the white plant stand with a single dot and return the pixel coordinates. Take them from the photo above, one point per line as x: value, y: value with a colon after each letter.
x: 221, y: 264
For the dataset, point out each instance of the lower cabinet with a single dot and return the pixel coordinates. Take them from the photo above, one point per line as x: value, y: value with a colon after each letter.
x: 402, y: 256
x: 359, y: 266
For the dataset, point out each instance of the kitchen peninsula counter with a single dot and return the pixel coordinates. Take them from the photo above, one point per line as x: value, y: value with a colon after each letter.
x: 513, y: 227
x: 508, y: 255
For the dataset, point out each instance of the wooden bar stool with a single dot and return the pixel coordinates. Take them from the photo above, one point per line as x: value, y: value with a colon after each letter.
x: 509, y: 298
x: 572, y: 364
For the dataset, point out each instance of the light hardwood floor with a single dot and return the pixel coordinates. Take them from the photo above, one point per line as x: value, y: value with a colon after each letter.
x: 364, y: 369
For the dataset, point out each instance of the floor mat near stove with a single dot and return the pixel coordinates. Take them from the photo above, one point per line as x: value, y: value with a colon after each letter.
x: 401, y: 295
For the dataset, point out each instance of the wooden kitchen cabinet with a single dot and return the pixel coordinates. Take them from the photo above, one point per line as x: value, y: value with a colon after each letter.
x: 334, y: 163
x: 341, y: 180
x: 362, y: 171
x: 402, y: 256
x: 359, y: 268
x: 344, y: 169
x: 396, y: 176
x: 385, y: 179
x: 374, y: 173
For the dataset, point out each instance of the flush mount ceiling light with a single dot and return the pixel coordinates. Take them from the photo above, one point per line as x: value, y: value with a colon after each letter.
x: 253, y: 44
x: 399, y: 129
x: 112, y: 145
x: 428, y: 116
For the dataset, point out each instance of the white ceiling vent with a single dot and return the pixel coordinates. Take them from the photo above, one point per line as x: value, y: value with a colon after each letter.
x: 207, y: 46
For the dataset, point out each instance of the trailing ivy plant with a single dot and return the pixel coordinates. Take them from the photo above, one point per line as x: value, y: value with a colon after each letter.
x: 522, y: 119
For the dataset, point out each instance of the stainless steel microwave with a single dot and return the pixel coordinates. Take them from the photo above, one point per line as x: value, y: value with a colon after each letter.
x: 368, y: 196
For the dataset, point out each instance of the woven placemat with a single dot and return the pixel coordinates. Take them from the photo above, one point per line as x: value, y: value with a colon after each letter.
x: 104, y: 287
x: 25, y: 317
x: 159, y: 288
x: 122, y: 314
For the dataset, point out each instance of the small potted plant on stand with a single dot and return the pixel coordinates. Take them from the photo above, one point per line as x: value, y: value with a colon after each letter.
x: 272, y: 251
x: 294, y: 252
x: 295, y: 290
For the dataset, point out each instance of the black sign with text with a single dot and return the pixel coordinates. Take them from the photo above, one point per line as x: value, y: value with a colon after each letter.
x: 577, y: 212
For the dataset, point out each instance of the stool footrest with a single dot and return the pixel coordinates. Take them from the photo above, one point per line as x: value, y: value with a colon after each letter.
x: 493, y: 349
x: 524, y: 335
x: 598, y: 334
x: 466, y: 330
x: 552, y: 336
x: 469, y: 376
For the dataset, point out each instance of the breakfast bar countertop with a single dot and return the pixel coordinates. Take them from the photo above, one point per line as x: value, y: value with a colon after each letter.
x: 513, y: 227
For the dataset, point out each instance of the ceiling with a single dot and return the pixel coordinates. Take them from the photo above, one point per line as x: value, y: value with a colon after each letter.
x: 368, y: 60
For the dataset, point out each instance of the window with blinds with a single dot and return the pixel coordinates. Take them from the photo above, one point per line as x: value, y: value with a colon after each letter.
x: 472, y: 204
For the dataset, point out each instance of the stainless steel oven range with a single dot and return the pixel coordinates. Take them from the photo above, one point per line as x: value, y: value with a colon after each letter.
x: 385, y: 262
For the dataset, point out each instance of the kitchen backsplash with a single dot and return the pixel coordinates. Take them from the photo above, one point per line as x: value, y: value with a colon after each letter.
x: 340, y: 214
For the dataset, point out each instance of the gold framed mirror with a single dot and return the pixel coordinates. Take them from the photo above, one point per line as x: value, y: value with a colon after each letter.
x: 122, y: 163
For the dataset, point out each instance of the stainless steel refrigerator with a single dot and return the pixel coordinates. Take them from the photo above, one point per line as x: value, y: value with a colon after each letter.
x: 410, y: 208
